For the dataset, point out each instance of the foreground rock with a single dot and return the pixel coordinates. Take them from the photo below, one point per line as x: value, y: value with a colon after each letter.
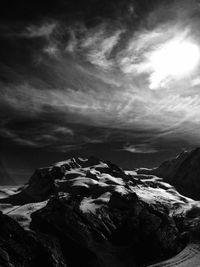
x: 102, y: 216
x: 25, y: 249
x: 183, y: 172
x: 118, y: 231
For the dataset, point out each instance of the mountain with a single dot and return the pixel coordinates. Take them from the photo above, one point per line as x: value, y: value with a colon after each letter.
x: 96, y: 215
x: 183, y: 172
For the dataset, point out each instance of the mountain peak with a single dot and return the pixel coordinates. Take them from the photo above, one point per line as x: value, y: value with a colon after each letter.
x: 182, y: 171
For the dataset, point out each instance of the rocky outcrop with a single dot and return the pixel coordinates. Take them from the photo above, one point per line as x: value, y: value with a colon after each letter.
x: 183, y: 172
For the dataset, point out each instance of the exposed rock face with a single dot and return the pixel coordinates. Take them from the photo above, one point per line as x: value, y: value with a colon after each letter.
x: 25, y: 249
x: 102, y: 216
x: 183, y: 172
x: 125, y: 232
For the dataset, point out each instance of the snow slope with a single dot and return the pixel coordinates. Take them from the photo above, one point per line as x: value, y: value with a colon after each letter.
x: 189, y: 257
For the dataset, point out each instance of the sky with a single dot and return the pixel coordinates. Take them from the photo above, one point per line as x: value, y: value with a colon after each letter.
x: 116, y: 79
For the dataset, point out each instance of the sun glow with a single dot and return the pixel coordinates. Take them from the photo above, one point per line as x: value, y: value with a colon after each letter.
x: 173, y: 60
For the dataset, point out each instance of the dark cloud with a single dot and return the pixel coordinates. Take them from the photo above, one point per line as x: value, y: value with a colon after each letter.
x: 86, y: 10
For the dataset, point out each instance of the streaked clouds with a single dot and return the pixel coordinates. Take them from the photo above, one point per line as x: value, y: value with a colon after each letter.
x: 143, y: 148
x: 100, y: 76
x: 43, y: 30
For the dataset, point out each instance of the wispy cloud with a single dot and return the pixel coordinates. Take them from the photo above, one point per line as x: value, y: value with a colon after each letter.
x: 63, y: 130
x: 42, y: 30
x: 99, y: 48
x: 100, y: 76
x: 140, y: 148
x: 96, y: 45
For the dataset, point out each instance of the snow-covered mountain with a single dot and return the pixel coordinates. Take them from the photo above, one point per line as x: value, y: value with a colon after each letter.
x: 96, y: 214
x: 183, y: 172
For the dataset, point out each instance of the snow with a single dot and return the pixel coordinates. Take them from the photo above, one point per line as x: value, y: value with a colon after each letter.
x: 170, y: 198
x: 87, y: 205
x: 105, y: 197
x: 121, y: 189
x: 147, y: 177
x: 131, y: 172
x: 22, y: 214
x: 84, y: 181
x: 90, y: 205
x: 189, y: 257
x: 6, y: 191
x: 107, y: 178
x: 101, y: 165
x: 6, y: 208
